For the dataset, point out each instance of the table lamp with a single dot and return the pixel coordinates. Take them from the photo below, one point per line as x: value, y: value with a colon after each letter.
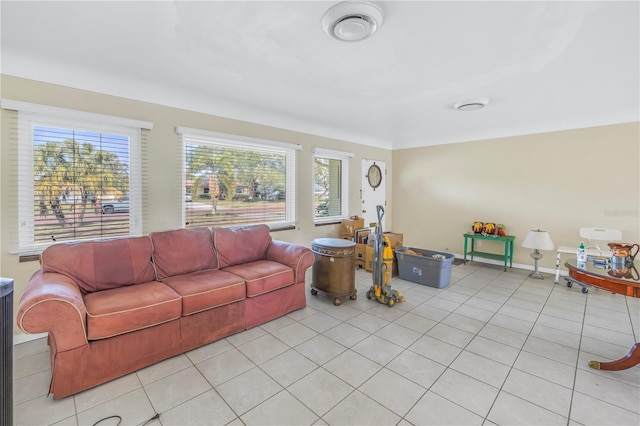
x: 537, y: 240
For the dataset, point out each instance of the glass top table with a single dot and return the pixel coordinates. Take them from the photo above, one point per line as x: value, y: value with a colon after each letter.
x: 618, y: 278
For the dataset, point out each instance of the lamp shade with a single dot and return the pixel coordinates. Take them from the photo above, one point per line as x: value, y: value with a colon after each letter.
x: 538, y: 240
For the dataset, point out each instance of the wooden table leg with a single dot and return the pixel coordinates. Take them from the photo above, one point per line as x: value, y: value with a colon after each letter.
x: 630, y: 360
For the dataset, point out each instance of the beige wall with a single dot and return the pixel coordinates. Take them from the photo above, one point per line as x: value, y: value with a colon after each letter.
x: 557, y: 181
x: 164, y: 163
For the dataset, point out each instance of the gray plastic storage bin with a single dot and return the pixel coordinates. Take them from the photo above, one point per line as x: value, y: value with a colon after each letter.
x: 425, y: 269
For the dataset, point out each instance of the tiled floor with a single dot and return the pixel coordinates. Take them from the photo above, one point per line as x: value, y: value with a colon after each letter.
x: 492, y: 348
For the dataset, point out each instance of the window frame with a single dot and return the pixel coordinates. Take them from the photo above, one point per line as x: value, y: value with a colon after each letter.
x: 345, y: 158
x: 225, y: 140
x: 32, y: 115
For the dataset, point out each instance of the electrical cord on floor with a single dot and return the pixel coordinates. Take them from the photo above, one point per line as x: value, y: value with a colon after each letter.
x: 156, y: 416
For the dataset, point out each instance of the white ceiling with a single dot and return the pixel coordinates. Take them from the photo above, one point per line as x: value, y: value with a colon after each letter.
x: 545, y: 65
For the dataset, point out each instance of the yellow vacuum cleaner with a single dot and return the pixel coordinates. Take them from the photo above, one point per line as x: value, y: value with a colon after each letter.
x: 382, y: 261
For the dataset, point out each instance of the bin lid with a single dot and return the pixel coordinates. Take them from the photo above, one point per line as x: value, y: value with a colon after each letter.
x: 333, y: 242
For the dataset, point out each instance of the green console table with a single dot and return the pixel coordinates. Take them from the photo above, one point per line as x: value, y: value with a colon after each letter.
x: 506, y: 257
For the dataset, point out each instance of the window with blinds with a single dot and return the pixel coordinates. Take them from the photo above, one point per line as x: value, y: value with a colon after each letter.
x: 77, y: 179
x: 231, y: 180
x: 330, y: 185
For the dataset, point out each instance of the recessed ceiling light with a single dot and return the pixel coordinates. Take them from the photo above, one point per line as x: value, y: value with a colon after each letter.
x: 472, y: 104
x: 352, y: 20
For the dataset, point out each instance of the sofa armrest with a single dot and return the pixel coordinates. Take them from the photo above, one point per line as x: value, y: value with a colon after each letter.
x: 296, y: 256
x: 52, y: 303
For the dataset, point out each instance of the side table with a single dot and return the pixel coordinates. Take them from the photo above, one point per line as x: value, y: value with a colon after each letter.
x: 334, y: 269
x: 506, y: 257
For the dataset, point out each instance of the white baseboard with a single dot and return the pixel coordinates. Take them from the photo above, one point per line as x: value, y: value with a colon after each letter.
x: 24, y: 337
x: 523, y: 266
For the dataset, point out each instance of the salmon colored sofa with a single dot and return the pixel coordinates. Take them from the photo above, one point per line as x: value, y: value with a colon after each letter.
x: 112, y: 307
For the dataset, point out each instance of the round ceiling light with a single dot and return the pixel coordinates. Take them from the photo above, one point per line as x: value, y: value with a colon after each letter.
x: 471, y: 105
x: 352, y: 21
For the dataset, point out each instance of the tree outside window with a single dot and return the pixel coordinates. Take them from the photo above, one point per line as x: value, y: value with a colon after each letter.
x: 237, y: 182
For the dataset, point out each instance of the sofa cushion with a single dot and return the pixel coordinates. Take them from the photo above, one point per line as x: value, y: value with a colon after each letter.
x: 102, y: 265
x: 183, y: 251
x: 125, y: 309
x: 241, y: 244
x: 263, y: 276
x: 206, y: 289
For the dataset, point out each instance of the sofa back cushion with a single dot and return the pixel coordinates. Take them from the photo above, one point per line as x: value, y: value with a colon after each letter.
x: 241, y: 244
x: 102, y: 265
x: 183, y: 251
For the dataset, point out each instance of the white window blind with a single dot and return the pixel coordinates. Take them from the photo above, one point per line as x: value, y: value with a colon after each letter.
x: 232, y: 180
x: 78, y: 176
x: 330, y: 184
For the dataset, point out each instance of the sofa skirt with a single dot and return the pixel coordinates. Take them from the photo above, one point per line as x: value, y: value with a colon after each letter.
x: 268, y: 306
x: 100, y: 361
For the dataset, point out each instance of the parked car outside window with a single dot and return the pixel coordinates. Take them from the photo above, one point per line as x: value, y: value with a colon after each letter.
x: 119, y: 206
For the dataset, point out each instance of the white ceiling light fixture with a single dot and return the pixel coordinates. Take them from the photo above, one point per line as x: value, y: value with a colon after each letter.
x: 352, y: 20
x: 472, y: 104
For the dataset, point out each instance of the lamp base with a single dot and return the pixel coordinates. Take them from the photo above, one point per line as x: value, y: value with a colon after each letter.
x: 536, y: 255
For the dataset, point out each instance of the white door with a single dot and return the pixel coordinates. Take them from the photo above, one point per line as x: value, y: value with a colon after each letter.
x: 374, y: 177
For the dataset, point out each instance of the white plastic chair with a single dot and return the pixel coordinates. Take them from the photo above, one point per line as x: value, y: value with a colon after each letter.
x: 604, y: 235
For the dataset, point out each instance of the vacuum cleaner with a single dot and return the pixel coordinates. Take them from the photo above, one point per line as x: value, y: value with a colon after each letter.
x: 382, y: 261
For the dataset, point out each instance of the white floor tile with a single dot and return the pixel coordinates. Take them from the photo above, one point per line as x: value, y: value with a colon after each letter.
x: 491, y: 349
x: 205, y: 409
x: 541, y: 392
x: 511, y: 410
x: 432, y: 409
x: 281, y: 409
x: 106, y: 392
x: 451, y: 335
x: 163, y: 369
x: 32, y: 386
x: 134, y: 408
x: 436, y: 350
x: 394, y: 391
x: 608, y: 390
x: 248, y: 390
x: 469, y: 311
x: 416, y: 322
x: 225, y: 366
x: 320, y: 322
x: 369, y: 323
x: 466, y: 391
x: 294, y: 334
x: 551, y: 350
x: 503, y: 335
x: 401, y: 336
x: 439, y: 358
x: 177, y: 388
x: 320, y: 391
x: 320, y: 349
x: 209, y: 351
x: 378, y: 350
x: 546, y: 368
x: 588, y: 410
x: 288, y: 367
x: 359, y: 409
x: 43, y: 411
x: 346, y: 334
x: 352, y: 367
x: 481, y: 368
x: 263, y: 348
x: 556, y: 336
x: 416, y: 368
x: 30, y: 364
